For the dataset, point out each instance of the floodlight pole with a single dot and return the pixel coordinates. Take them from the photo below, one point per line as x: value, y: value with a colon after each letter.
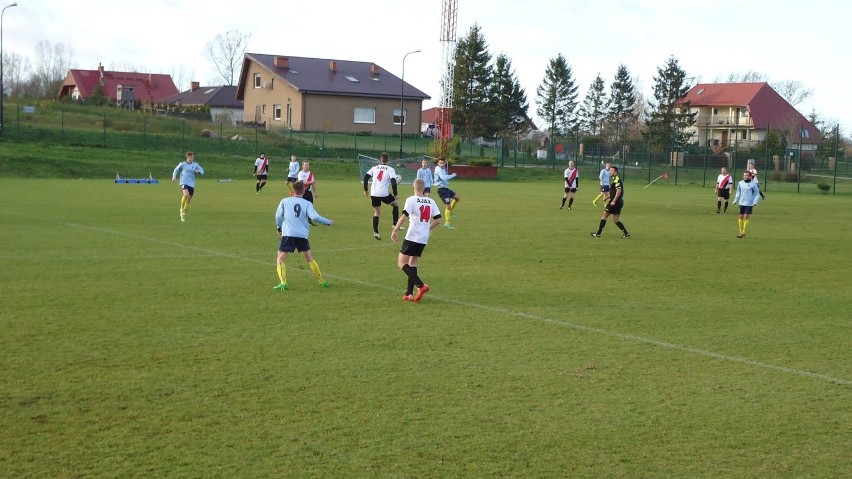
x: 401, y: 101
x: 2, y: 95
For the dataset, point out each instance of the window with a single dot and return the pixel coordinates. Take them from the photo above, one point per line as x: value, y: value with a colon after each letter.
x: 272, y: 84
x: 352, y: 79
x: 263, y: 109
x: 715, y: 111
x: 257, y: 83
x: 744, y: 135
x: 396, y: 119
x: 276, y: 111
x: 365, y: 115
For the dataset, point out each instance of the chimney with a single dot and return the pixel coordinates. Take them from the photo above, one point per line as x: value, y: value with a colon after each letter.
x: 194, y: 86
x: 332, y: 65
x: 374, y: 70
x: 282, y: 62
x: 101, y: 74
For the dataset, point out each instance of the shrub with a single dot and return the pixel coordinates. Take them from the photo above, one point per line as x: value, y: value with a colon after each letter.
x: 482, y: 162
x: 824, y: 187
x: 791, y: 177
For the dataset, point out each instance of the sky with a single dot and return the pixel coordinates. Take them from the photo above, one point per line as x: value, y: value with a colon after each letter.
x: 783, y: 40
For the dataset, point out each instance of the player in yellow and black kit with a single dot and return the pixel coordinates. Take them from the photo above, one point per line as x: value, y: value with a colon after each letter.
x: 616, y: 202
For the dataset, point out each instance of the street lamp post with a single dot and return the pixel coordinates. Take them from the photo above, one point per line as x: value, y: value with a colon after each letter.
x: 401, y: 101
x: 2, y: 95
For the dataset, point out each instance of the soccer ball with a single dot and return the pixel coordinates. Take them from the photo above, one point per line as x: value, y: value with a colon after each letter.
x: 398, y: 178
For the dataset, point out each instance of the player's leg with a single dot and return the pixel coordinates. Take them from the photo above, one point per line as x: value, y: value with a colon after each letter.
x: 281, y: 270
x: 377, y: 210
x: 312, y: 263
x: 617, y: 219
x: 570, y: 198
x: 402, y: 262
x: 601, y: 225
x: 718, y: 204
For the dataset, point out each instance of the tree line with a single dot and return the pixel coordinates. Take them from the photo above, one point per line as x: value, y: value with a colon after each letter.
x: 489, y: 101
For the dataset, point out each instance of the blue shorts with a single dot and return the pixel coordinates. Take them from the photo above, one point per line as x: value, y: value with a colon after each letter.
x: 446, y: 194
x: 289, y: 244
x: 745, y: 210
x: 189, y: 189
x: 604, y: 188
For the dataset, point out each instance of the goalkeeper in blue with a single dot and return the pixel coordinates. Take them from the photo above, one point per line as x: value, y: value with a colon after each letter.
x: 187, y: 170
x: 291, y: 218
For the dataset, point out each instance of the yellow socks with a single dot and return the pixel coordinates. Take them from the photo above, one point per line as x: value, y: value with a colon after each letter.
x: 315, y: 268
x: 282, y: 272
x: 745, y: 225
x: 452, y: 204
x: 447, y: 215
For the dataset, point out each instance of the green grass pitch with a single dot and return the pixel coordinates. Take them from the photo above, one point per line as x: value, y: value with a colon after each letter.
x: 134, y: 345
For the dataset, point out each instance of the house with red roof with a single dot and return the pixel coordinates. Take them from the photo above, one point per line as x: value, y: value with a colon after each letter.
x: 118, y: 86
x: 731, y: 114
x: 222, y: 101
x: 313, y: 94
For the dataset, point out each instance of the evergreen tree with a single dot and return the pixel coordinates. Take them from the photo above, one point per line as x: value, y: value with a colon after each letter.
x: 622, y: 112
x: 509, y: 100
x: 557, y: 97
x: 669, y: 118
x: 594, y: 107
x: 473, y: 75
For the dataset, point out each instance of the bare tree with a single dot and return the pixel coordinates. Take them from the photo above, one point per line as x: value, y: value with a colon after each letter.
x: 747, y: 77
x: 16, y: 69
x: 51, y: 65
x: 226, y: 53
x: 793, y: 91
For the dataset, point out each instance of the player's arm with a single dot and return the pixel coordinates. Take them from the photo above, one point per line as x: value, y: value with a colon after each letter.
x: 393, y: 186
x: 398, y: 225
x: 366, y: 180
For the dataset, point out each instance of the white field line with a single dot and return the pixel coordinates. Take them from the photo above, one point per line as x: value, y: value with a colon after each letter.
x: 506, y: 312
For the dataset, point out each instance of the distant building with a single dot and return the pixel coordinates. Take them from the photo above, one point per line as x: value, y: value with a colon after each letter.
x: 313, y: 94
x: 730, y: 114
x: 222, y: 101
x: 118, y: 86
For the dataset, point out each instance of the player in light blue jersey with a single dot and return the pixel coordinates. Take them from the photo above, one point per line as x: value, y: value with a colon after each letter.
x: 292, y: 172
x: 291, y: 218
x: 187, y: 170
x: 425, y: 174
x: 603, y: 176
x: 748, y: 195
x: 448, y: 196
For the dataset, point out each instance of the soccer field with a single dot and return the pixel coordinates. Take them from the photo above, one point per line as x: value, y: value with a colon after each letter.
x: 136, y: 345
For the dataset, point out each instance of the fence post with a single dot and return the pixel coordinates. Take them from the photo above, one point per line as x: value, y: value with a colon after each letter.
x: 105, y: 120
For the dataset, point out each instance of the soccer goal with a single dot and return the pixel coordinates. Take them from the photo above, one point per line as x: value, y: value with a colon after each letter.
x: 400, y: 166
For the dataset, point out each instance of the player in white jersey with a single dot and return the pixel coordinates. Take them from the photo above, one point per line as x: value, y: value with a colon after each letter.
x: 187, y: 170
x: 307, y: 177
x: 292, y: 173
x: 751, y: 169
x: 423, y: 214
x: 572, y: 180
x: 723, y: 189
x: 261, y: 170
x: 382, y: 190
x: 291, y: 218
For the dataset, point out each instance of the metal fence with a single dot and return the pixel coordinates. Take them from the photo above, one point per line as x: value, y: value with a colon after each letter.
x: 790, y: 169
